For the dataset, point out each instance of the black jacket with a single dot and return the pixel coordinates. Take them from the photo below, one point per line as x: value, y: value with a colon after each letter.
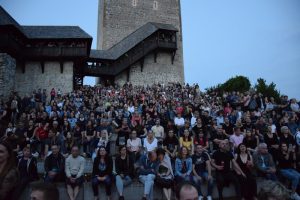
x: 31, y: 168
x: 52, y: 162
x: 122, y: 166
x: 106, y: 171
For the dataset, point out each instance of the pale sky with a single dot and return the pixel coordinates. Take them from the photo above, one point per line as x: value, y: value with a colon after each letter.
x: 254, y: 38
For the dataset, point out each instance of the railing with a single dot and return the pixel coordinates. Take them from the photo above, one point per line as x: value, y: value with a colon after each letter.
x: 55, y: 51
x: 132, y: 56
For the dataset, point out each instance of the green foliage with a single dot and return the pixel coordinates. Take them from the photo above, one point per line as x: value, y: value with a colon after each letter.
x: 267, y: 90
x: 238, y: 83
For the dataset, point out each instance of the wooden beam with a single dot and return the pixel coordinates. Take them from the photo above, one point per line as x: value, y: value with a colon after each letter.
x: 43, y: 66
x: 142, y: 63
x: 128, y: 74
x: 155, y: 56
x: 61, y: 63
x: 173, y: 56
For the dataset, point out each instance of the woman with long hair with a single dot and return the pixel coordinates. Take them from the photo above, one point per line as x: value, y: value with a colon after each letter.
x: 187, y: 141
x: 9, y: 176
x: 183, y: 166
x: 247, y: 182
x: 102, y: 171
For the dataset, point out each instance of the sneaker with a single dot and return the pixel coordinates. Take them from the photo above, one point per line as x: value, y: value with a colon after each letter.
x: 209, y: 198
x: 200, y: 198
x: 295, y: 196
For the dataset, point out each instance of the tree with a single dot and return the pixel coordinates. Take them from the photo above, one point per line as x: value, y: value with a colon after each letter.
x: 238, y: 83
x: 267, y: 90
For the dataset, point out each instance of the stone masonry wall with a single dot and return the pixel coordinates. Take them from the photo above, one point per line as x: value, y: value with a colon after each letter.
x: 7, y: 75
x: 33, y: 78
x: 122, y: 17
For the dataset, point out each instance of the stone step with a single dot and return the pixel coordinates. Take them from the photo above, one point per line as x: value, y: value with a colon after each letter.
x: 132, y: 192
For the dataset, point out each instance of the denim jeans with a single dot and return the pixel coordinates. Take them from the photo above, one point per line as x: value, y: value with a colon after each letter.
x: 121, y: 182
x: 292, y: 175
x: 107, y: 182
x: 204, y: 177
x: 148, y: 181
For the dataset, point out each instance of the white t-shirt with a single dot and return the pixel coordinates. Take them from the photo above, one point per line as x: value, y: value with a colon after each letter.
x: 179, y: 121
x: 134, y: 144
x: 158, y: 131
x: 148, y: 146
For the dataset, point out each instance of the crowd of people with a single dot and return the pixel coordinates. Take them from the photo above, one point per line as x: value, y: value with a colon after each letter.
x: 167, y: 135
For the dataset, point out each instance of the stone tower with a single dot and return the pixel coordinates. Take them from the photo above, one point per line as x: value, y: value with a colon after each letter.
x: 119, y: 18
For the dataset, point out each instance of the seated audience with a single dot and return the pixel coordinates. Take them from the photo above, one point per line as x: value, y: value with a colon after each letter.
x: 286, y: 164
x: 202, y: 171
x: 222, y: 159
x: 264, y: 163
x: 102, y: 172
x: 54, y: 166
x: 183, y: 166
x: 245, y: 162
x: 165, y: 175
x: 122, y: 171
x: 9, y: 174
x: 147, y: 173
x: 74, y: 172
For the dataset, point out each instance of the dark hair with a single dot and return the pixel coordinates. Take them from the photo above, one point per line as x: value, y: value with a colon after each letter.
x: 238, y: 151
x: 160, y: 151
x: 10, y: 164
x: 120, y: 147
x: 50, y: 192
x: 184, y: 184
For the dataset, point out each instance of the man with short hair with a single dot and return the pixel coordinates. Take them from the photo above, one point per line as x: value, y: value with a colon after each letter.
x: 187, y: 191
x: 54, y: 165
x: 44, y: 191
x: 74, y: 171
x: 147, y: 171
x: 222, y: 160
x: 202, y: 171
x: 158, y: 131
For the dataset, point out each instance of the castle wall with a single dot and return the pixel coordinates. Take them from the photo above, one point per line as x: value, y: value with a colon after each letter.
x: 34, y: 79
x: 120, y: 18
x: 7, y: 75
